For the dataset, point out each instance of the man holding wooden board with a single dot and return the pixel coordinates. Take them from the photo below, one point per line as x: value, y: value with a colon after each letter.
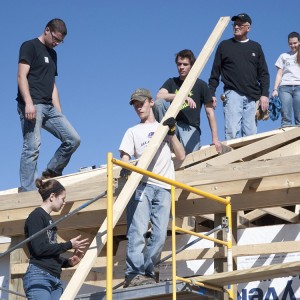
x: 152, y: 200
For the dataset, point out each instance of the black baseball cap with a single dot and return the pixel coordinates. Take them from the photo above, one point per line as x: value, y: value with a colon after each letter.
x: 243, y: 17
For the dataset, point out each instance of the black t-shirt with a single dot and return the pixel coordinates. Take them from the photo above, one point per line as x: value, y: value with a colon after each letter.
x: 199, y: 93
x: 43, y: 69
x: 44, y: 249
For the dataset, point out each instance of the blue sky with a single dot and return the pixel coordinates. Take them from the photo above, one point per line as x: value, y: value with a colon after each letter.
x: 112, y: 48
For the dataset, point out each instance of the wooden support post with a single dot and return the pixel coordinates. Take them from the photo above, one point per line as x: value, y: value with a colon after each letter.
x: 17, y: 257
x: 220, y: 264
x: 129, y: 188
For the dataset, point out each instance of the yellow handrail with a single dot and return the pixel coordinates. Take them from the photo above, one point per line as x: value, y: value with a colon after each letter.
x: 169, y: 181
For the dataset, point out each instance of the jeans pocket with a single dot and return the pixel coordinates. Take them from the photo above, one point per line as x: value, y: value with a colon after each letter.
x: 226, y: 94
x: 36, y: 271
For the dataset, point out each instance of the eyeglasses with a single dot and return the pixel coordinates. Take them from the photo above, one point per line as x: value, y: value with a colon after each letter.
x: 239, y: 25
x: 56, y: 39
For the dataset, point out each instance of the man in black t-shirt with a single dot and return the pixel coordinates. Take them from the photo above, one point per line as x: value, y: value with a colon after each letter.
x: 188, y: 119
x: 39, y: 105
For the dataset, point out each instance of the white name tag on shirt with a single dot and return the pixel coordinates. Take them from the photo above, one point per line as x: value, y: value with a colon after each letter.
x: 46, y: 59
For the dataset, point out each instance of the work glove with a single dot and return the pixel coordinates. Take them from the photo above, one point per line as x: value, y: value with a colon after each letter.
x: 262, y: 115
x: 125, y: 173
x: 171, y: 122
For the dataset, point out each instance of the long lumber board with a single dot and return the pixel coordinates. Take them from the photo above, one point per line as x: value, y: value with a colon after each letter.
x: 239, y: 171
x: 126, y: 193
x: 253, y: 274
x: 209, y: 152
x: 251, y: 151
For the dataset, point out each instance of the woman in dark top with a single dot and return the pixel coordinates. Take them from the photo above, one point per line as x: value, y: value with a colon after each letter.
x: 42, y: 279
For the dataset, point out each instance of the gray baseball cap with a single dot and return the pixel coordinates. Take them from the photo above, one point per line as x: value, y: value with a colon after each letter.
x: 140, y: 95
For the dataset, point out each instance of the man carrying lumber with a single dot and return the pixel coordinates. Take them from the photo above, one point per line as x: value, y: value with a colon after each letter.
x: 152, y: 200
x: 243, y: 69
x: 188, y: 119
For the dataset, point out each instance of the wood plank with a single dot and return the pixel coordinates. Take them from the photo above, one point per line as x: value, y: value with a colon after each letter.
x: 245, y: 201
x: 121, y: 202
x: 206, y: 152
x: 246, y: 140
x: 251, y: 216
x: 4, y: 247
x: 16, y: 257
x: 282, y: 213
x: 288, y: 150
x: 253, y: 274
x: 284, y: 247
x: 253, y: 150
x: 240, y: 171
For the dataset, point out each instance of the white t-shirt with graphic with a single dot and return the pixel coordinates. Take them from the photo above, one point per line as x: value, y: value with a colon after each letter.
x: 290, y: 68
x: 134, y: 143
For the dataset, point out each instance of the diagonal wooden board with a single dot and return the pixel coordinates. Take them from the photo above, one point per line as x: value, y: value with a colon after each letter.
x: 252, y: 150
x: 128, y: 190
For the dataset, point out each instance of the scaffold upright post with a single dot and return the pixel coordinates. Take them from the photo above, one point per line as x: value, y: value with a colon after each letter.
x: 174, y: 297
x: 229, y: 247
x: 109, y: 262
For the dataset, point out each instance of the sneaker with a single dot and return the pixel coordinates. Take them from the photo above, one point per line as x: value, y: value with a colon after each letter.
x: 138, y: 280
x: 47, y: 174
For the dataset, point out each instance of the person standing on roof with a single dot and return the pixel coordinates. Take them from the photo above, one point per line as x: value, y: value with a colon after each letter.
x: 287, y: 81
x: 243, y: 69
x: 39, y: 105
x: 188, y: 119
x: 152, y: 200
x: 42, y: 278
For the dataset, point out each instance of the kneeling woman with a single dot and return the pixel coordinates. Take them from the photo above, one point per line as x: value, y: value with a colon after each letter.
x: 42, y: 279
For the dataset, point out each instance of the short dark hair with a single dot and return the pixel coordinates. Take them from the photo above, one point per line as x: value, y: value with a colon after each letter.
x: 186, y: 53
x: 294, y: 34
x: 46, y: 188
x: 57, y: 25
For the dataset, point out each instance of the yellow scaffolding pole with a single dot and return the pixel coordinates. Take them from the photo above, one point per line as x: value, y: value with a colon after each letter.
x: 109, y: 245
x: 230, y: 289
x: 173, y: 244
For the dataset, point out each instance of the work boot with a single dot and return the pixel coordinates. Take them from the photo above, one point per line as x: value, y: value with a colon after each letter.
x: 138, y: 280
x: 47, y: 174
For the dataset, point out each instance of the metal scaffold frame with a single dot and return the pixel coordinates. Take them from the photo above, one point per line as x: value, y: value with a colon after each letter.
x: 110, y: 200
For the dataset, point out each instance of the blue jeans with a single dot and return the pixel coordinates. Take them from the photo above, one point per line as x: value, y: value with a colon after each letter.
x: 239, y: 114
x: 39, y: 284
x: 153, y: 206
x: 188, y: 135
x: 290, y: 100
x: 56, y: 123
